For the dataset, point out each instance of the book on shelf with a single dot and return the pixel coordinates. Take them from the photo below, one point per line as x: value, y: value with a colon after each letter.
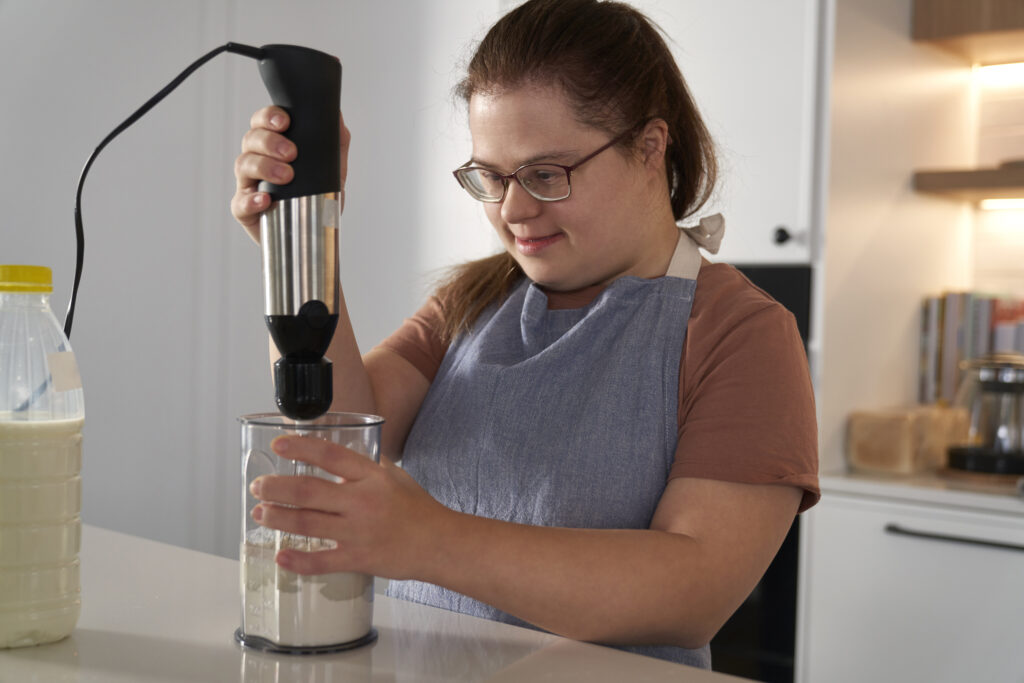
x: 1008, y: 326
x: 931, y: 335
x: 959, y: 326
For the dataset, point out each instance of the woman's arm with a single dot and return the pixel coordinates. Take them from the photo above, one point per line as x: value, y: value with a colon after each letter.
x: 398, y: 390
x: 675, y: 583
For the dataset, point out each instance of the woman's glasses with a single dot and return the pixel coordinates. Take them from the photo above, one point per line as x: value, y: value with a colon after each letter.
x: 546, y: 182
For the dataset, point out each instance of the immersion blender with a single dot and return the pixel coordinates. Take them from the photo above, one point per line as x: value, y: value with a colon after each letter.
x: 299, y: 232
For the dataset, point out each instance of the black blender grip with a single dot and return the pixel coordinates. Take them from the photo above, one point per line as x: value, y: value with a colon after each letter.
x: 307, y: 84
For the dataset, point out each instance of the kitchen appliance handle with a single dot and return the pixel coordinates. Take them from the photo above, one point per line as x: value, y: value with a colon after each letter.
x: 898, y: 530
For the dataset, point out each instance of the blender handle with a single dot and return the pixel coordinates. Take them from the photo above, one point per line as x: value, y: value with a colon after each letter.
x: 898, y: 530
x: 307, y: 84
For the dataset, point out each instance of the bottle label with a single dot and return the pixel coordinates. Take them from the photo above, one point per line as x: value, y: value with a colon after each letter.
x: 64, y: 371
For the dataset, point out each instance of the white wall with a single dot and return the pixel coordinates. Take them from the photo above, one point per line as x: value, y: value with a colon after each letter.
x: 896, y: 106
x: 168, y: 330
x: 999, y: 235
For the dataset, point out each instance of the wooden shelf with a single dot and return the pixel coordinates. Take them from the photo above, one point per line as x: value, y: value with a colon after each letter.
x: 991, y: 183
x: 982, y: 31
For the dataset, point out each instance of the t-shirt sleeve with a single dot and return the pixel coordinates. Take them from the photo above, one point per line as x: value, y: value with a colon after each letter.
x: 746, y: 410
x: 418, y: 340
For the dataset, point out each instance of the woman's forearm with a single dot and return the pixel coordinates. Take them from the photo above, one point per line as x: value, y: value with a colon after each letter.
x: 611, y: 586
x: 352, y: 389
x: 379, y: 382
x: 676, y: 583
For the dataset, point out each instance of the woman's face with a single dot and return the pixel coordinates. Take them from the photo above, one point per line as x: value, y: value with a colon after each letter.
x: 613, y: 223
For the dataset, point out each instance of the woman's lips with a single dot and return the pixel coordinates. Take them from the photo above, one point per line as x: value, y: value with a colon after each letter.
x: 533, y: 245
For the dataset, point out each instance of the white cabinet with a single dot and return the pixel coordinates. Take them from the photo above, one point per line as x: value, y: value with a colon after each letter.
x: 752, y: 67
x: 910, y: 591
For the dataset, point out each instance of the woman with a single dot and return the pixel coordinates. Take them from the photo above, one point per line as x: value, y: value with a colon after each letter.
x: 602, y: 434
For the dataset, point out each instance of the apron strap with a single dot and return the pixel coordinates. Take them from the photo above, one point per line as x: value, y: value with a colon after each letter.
x: 686, y: 259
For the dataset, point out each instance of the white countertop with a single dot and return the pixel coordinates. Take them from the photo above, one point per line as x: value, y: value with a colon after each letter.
x: 930, y: 488
x: 153, y: 612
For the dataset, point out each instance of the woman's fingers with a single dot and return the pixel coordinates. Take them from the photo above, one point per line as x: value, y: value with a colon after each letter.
x: 300, y: 521
x: 345, y: 140
x: 307, y: 492
x: 310, y: 519
x: 248, y: 202
x: 271, y: 118
x: 326, y: 455
x: 251, y: 168
x: 265, y: 156
x: 316, y: 562
x: 269, y: 144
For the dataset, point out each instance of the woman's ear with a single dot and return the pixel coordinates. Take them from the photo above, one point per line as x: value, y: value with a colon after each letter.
x: 655, y: 140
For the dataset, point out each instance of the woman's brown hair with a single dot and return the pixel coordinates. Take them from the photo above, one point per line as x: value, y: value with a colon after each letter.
x: 612, y: 63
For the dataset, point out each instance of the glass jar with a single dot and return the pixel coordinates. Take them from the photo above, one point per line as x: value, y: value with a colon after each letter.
x: 991, y: 395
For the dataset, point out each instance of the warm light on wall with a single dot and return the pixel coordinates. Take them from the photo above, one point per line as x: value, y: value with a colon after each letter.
x: 1000, y: 75
x: 999, y: 204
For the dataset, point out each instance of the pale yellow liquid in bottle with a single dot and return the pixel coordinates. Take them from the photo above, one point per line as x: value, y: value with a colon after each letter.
x: 40, y: 528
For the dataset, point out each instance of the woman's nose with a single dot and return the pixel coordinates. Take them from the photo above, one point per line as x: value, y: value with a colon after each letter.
x: 518, y: 204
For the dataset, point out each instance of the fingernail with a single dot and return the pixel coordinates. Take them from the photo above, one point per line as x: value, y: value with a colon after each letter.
x: 280, y: 173
x: 255, y: 486
x: 259, y: 199
x: 284, y: 560
x: 280, y: 445
x: 277, y: 121
x: 284, y: 149
x: 257, y: 513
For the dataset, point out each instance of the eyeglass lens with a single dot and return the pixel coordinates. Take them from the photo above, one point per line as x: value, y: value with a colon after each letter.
x: 543, y: 181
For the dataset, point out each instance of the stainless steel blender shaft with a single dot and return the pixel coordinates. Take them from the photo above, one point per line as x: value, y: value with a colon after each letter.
x: 299, y: 238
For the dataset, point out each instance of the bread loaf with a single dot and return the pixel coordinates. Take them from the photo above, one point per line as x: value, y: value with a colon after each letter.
x: 903, y: 440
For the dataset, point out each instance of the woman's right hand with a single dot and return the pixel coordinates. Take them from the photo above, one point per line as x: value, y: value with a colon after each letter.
x: 265, y: 156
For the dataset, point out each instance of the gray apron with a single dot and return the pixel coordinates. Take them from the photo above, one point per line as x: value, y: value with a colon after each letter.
x: 561, y: 418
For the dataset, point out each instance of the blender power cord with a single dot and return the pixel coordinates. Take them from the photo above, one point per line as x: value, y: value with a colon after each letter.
x: 235, y: 48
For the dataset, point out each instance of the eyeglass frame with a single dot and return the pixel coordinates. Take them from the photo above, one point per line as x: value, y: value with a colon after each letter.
x: 506, y: 179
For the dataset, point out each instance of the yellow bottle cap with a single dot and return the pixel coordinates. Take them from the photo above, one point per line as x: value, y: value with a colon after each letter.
x: 26, y: 279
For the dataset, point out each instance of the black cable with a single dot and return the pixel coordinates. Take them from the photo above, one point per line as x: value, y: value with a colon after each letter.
x: 235, y: 48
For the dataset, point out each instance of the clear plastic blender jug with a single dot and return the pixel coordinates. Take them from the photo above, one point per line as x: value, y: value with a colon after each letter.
x: 283, y: 611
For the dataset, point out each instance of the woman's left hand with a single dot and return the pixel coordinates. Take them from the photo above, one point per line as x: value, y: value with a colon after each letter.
x: 381, y: 519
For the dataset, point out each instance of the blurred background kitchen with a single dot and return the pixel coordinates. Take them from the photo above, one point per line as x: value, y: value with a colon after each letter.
x: 824, y: 111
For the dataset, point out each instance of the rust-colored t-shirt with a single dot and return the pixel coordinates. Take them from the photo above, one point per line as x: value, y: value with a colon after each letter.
x: 746, y: 406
